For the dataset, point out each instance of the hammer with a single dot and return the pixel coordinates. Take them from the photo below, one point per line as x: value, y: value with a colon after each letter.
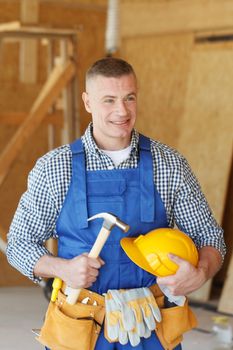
x: 110, y: 221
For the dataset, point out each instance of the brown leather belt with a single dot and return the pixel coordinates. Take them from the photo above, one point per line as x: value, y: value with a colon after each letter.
x: 100, y: 299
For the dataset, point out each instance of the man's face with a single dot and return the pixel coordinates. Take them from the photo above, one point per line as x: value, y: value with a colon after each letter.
x: 112, y: 103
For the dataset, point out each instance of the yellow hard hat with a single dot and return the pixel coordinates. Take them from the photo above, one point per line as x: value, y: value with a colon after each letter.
x: 150, y: 251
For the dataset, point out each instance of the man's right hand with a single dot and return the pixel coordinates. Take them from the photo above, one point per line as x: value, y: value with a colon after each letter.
x: 81, y: 271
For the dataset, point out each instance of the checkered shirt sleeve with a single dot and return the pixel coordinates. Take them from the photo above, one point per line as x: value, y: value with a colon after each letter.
x: 35, y: 219
x: 185, y: 203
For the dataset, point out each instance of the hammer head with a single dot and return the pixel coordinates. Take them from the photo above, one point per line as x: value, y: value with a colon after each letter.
x: 110, y: 221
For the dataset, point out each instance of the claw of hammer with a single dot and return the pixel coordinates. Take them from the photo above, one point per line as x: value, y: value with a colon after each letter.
x: 110, y: 220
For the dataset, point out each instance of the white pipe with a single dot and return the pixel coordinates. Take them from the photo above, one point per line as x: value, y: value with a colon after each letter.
x: 112, y: 35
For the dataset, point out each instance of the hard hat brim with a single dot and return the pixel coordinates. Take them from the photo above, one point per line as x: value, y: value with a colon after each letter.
x: 134, y: 254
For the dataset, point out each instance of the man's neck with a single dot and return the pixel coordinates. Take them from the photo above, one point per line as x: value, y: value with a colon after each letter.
x: 114, y: 144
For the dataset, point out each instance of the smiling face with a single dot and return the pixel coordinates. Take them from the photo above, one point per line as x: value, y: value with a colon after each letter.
x: 112, y: 101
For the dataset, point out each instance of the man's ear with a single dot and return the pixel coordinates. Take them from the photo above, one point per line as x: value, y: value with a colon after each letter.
x: 85, y: 98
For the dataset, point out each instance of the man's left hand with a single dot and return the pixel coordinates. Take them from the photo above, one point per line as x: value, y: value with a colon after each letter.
x: 187, y: 279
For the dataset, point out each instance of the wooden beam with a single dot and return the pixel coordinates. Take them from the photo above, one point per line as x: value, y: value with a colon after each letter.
x: 148, y: 17
x: 12, y: 118
x: 59, y: 78
x: 28, y: 48
x: 9, y: 26
x: 13, y: 30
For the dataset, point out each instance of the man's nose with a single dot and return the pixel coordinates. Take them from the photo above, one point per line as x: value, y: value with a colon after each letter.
x: 121, y: 108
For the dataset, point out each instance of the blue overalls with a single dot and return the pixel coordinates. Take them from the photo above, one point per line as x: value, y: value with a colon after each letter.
x: 129, y: 194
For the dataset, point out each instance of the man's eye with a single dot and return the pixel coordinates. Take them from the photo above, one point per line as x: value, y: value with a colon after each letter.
x: 109, y: 100
x: 131, y: 98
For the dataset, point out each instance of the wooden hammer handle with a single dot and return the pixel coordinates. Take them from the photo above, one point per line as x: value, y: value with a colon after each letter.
x: 73, y: 294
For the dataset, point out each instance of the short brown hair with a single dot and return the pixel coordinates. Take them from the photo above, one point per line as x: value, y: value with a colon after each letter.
x: 110, y: 67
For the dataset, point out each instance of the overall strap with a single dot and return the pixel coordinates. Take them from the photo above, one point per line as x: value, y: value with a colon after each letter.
x: 79, y: 182
x: 147, y: 188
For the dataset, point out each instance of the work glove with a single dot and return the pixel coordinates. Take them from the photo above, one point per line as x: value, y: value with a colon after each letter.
x: 138, y: 313
x: 176, y: 299
x: 114, y: 324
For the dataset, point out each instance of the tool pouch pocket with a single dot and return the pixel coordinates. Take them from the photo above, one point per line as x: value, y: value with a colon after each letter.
x: 175, y: 322
x: 72, y: 327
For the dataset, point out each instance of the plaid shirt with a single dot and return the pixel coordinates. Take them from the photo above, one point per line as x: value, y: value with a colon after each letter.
x: 35, y: 219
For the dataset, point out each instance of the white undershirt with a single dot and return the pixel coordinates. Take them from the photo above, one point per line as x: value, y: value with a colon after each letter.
x: 118, y: 156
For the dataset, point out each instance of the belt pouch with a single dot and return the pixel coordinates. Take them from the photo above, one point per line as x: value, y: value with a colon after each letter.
x: 175, y: 321
x: 72, y: 327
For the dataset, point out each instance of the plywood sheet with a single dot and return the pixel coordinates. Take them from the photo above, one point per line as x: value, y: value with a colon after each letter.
x: 155, y: 17
x: 207, y: 128
x: 9, y: 10
x: 162, y: 66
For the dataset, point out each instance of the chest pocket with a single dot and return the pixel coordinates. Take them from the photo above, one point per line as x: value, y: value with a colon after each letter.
x: 106, y: 196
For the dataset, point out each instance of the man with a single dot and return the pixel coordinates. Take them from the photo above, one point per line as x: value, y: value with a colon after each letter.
x: 112, y: 169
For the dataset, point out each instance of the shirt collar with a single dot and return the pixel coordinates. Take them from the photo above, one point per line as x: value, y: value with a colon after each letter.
x: 91, y: 146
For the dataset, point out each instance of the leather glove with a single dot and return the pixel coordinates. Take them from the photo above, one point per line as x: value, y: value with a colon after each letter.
x: 139, y: 309
x: 115, y: 328
x: 114, y: 324
x: 136, y: 311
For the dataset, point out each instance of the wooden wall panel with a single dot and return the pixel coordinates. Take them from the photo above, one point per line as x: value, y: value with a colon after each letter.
x: 155, y: 17
x: 9, y: 10
x: 162, y: 66
x: 207, y: 128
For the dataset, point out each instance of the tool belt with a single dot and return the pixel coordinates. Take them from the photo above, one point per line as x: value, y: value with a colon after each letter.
x: 68, y: 327
x: 72, y: 327
x: 175, y: 321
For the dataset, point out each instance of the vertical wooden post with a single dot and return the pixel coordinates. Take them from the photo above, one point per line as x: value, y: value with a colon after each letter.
x: 66, y: 95
x: 28, y: 47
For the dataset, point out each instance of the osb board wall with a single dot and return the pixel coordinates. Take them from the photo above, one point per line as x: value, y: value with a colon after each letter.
x: 182, y: 103
x: 206, y: 139
x: 207, y: 128
x: 149, y: 17
x: 9, y: 10
x: 162, y: 65
x: 89, y: 17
